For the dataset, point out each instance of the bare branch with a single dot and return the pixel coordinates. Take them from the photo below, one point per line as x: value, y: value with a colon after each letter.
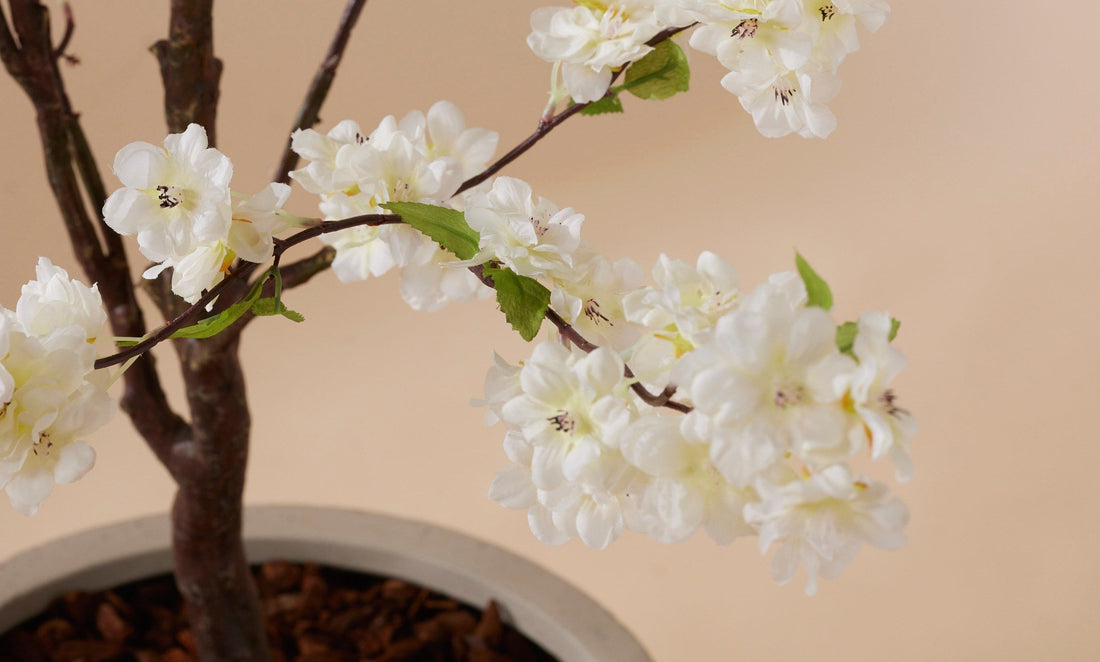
x: 190, y: 71
x: 318, y: 89
x: 143, y: 398
x: 570, y: 333
x: 547, y: 125
x: 300, y: 272
x: 70, y: 27
x: 9, y: 50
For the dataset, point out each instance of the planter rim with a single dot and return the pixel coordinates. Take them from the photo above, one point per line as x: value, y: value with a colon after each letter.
x: 546, y: 608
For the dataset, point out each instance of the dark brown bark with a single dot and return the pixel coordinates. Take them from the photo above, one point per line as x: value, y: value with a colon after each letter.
x: 209, y: 467
x: 190, y: 71
x: 33, y: 64
x: 211, y: 570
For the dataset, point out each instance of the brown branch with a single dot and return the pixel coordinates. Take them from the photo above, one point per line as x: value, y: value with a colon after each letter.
x: 143, y: 398
x: 570, y: 333
x: 190, y: 72
x: 70, y: 27
x: 299, y: 273
x: 9, y: 50
x: 209, y: 467
x: 318, y: 89
x: 547, y: 125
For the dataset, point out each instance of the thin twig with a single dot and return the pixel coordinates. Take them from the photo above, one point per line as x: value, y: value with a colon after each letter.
x: 547, y: 125
x: 70, y: 27
x: 165, y: 332
x: 9, y: 51
x: 318, y: 89
x: 570, y: 333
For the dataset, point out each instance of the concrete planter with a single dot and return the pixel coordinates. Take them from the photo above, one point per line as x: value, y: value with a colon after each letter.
x: 547, y: 609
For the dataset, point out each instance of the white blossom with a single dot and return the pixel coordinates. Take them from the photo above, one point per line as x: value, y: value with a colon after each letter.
x: 590, y: 298
x: 563, y: 430
x: 531, y: 237
x: 821, y: 520
x: 751, y: 387
x: 879, y: 420
x: 50, y: 395
x: 591, y: 40
x: 173, y: 197
x: 571, y: 481
x: 431, y: 280
x: 685, y: 302
x: 686, y: 491
x: 419, y: 158
x: 256, y: 221
x: 571, y: 409
x: 54, y: 301
x: 833, y: 26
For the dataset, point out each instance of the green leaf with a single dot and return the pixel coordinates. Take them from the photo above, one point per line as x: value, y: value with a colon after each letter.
x: 816, y: 288
x: 446, y: 227
x: 660, y: 74
x: 524, y: 300
x: 604, y: 106
x: 846, y: 336
x: 269, y: 306
x: 215, y: 324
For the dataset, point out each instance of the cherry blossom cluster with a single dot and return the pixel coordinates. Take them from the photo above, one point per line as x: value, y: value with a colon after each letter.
x: 50, y: 395
x: 775, y: 407
x: 666, y: 408
x: 421, y: 158
x: 177, y: 201
x: 782, y: 55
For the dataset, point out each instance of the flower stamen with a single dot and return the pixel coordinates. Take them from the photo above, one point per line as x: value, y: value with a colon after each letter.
x: 592, y: 311
x: 746, y: 29
x: 563, y: 422
x: 169, y: 196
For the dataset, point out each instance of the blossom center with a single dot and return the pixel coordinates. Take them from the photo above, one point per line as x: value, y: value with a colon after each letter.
x: 788, y: 395
x: 592, y: 311
x: 44, y: 444
x: 169, y: 196
x: 746, y: 29
x: 563, y: 422
x: 827, y: 10
x: 540, y: 225
x: 784, y: 92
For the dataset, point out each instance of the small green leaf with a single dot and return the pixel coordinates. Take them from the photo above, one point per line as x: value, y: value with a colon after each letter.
x: 604, y: 106
x: 846, y: 337
x: 524, y: 300
x: 660, y: 74
x: 446, y: 227
x: 215, y: 324
x: 269, y: 306
x: 816, y: 288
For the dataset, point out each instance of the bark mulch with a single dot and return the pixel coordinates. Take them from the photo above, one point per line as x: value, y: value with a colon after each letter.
x: 314, y: 614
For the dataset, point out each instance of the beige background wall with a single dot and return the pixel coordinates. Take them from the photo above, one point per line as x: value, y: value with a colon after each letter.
x: 959, y: 193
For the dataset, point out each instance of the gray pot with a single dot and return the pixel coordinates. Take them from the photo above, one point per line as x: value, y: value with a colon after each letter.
x: 548, y: 610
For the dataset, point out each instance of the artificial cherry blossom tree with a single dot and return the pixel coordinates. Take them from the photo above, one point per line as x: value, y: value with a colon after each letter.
x: 662, y: 408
